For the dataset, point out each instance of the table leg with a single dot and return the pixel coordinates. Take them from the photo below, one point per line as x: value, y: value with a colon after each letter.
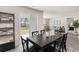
x: 54, y: 45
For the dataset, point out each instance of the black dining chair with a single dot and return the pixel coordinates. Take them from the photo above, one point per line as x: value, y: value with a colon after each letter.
x: 56, y: 31
x: 57, y: 44
x: 64, y: 42
x: 27, y: 48
x: 60, y: 44
x: 42, y: 34
x: 24, y: 44
x: 42, y: 31
x: 34, y: 33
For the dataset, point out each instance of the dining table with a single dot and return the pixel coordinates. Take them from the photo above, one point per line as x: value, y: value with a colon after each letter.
x: 43, y: 41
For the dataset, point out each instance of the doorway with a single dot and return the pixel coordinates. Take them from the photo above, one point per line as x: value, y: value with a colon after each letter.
x: 24, y: 29
x: 28, y: 25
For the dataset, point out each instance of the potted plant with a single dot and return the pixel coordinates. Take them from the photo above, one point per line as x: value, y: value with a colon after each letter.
x: 76, y: 25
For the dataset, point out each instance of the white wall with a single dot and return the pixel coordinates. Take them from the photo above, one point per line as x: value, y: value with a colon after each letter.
x: 18, y: 11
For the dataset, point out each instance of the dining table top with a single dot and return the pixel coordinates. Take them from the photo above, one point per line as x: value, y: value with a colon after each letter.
x: 42, y: 40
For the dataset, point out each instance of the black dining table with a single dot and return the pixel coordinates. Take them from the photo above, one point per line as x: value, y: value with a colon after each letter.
x: 42, y: 42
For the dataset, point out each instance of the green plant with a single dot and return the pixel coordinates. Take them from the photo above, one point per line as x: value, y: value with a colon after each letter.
x: 76, y: 25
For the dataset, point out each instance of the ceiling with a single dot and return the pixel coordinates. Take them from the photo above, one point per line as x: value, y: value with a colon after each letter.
x: 57, y: 9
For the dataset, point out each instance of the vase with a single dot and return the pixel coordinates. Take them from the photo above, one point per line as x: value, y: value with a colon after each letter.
x: 47, y: 33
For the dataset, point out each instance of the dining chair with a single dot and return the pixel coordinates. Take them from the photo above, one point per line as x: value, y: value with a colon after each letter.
x: 34, y: 33
x: 57, y: 44
x: 42, y: 31
x: 56, y: 31
x: 24, y: 44
x: 64, y: 42
x: 60, y: 44
x: 42, y: 34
